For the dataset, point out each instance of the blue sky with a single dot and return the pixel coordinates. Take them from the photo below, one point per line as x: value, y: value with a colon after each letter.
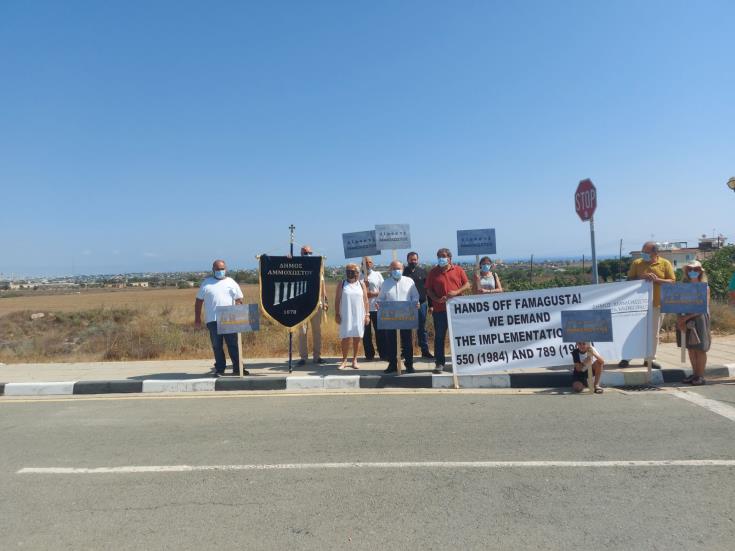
x: 142, y: 136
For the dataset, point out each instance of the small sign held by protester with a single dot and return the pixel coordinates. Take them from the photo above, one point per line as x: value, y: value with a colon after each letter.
x: 475, y: 242
x: 360, y: 243
x: 393, y: 236
x: 240, y: 318
x: 684, y: 298
x: 398, y: 314
x: 586, y: 326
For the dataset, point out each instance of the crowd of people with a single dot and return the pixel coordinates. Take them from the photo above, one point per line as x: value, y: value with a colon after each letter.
x: 362, y: 290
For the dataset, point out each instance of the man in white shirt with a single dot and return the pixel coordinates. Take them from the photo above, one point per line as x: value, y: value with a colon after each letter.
x: 218, y: 290
x: 398, y: 288
x: 373, y: 282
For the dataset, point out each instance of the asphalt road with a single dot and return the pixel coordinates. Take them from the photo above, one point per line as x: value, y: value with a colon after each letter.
x: 370, y: 507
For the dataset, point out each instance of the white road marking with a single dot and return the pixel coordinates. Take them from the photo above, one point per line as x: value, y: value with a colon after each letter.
x: 383, y: 465
x: 713, y: 405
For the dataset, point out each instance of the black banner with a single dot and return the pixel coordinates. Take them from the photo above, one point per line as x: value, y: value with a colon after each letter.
x: 290, y: 288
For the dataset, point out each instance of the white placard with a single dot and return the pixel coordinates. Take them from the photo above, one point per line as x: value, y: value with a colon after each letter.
x: 500, y: 331
x: 392, y: 236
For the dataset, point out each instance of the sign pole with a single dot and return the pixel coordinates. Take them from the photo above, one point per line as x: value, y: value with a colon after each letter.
x: 595, y: 278
x: 239, y: 354
x: 290, y: 332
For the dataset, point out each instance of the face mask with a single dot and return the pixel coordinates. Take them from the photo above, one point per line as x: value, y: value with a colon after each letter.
x: 219, y: 274
x: 693, y: 275
x: 413, y: 265
x: 442, y: 261
x: 646, y: 257
x: 396, y: 274
x: 351, y: 273
x: 485, y: 268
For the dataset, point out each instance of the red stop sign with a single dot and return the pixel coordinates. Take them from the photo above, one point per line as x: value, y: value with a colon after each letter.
x: 585, y: 199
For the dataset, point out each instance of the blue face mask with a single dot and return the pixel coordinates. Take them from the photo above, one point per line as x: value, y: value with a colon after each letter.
x: 485, y: 268
x: 646, y: 257
x: 219, y: 274
x: 693, y: 275
x: 442, y: 261
x: 396, y: 274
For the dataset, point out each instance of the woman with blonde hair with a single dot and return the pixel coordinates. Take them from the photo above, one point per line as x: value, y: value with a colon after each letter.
x: 692, y: 330
x: 351, y: 312
x: 485, y: 280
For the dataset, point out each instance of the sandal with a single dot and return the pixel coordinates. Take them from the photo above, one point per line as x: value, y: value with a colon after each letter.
x: 698, y: 381
x: 599, y: 390
x: 688, y: 380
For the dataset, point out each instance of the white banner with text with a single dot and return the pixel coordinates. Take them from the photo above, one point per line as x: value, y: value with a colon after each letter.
x: 499, y: 331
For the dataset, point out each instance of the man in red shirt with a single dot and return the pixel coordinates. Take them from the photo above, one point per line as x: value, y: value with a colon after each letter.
x: 444, y: 282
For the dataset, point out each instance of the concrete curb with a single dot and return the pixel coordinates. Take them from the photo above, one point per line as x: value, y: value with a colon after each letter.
x: 553, y: 379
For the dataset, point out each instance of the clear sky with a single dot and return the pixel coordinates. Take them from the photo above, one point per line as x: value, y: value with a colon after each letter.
x: 141, y: 136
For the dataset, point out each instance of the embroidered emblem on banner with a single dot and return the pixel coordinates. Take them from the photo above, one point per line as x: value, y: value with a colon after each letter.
x: 290, y: 288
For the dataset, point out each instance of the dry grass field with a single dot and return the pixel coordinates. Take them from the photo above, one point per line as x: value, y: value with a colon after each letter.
x: 127, y: 324
x: 141, y: 324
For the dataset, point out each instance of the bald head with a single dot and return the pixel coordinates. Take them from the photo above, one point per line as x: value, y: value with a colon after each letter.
x: 396, y: 265
x: 219, y: 265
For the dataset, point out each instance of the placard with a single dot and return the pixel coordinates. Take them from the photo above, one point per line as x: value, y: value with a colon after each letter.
x: 684, y: 298
x: 398, y: 314
x: 360, y: 243
x: 239, y: 318
x: 393, y: 236
x: 587, y: 325
x: 495, y: 332
x: 475, y: 242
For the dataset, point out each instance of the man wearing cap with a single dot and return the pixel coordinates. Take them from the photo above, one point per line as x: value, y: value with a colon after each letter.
x: 398, y: 287
x: 445, y: 280
x: 315, y: 322
x: 218, y: 290
x: 659, y: 271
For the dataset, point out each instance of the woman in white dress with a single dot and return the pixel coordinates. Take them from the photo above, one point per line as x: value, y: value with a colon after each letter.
x: 351, y: 312
x: 485, y: 280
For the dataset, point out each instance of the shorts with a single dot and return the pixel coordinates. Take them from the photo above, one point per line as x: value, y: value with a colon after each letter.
x: 579, y: 376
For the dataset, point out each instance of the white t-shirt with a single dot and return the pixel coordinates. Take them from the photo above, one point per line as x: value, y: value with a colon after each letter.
x: 374, y: 283
x: 217, y: 292
x: 403, y: 289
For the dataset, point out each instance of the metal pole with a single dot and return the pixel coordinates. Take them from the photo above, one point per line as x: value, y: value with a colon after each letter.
x: 290, y: 333
x: 620, y: 261
x: 595, y: 278
x: 531, y: 269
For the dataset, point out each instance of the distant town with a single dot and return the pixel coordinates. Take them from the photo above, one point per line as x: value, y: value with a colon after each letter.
x: 678, y: 252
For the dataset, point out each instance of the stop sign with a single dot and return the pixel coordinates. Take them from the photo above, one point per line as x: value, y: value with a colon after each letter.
x: 585, y: 199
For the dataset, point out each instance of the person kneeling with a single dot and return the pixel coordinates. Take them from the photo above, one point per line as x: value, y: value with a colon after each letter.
x: 584, y: 356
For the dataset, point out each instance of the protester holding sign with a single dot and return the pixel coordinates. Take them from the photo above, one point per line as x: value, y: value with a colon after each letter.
x: 693, y: 330
x: 351, y: 312
x: 374, y: 281
x: 585, y: 356
x: 218, y: 290
x: 659, y: 271
x: 418, y: 275
x: 445, y: 281
x: 485, y: 280
x: 398, y: 288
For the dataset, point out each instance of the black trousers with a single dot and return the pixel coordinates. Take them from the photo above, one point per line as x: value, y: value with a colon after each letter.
x: 367, y: 338
x: 391, y: 347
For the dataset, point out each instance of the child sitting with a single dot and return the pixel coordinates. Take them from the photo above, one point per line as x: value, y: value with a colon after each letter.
x: 584, y: 356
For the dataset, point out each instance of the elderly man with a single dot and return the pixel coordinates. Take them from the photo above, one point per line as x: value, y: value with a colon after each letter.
x: 418, y: 274
x: 398, y: 288
x: 445, y: 280
x: 659, y: 271
x: 218, y: 290
x: 315, y: 322
x: 373, y: 281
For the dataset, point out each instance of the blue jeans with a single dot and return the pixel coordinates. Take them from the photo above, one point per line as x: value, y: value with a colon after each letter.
x: 440, y: 332
x: 421, y: 331
x: 220, y: 361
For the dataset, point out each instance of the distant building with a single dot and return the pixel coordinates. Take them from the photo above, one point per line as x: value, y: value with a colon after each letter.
x: 679, y: 253
x: 138, y: 284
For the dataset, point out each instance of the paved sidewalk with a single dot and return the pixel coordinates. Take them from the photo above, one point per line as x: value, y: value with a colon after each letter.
x: 272, y: 374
